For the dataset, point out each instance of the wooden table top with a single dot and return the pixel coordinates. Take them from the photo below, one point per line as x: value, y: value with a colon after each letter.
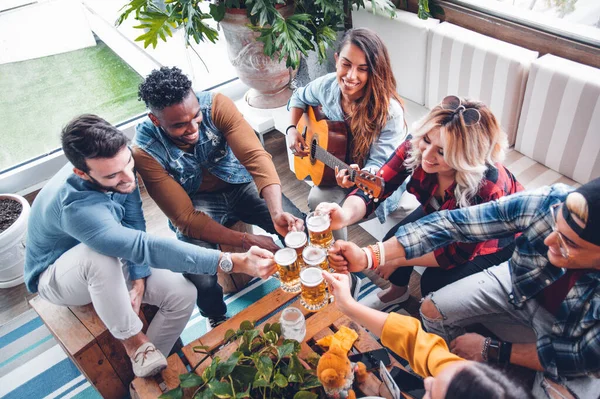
x: 266, y: 310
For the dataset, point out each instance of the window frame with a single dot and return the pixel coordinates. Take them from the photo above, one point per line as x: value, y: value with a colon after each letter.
x: 514, y: 32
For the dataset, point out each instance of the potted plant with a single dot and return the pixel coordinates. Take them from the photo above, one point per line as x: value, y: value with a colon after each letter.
x: 263, y: 366
x: 265, y: 37
x: 14, y: 211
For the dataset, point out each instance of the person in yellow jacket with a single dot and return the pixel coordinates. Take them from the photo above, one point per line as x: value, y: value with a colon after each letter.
x: 446, y: 375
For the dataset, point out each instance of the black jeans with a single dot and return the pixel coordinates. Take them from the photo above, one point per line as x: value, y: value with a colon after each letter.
x: 435, y: 278
x: 236, y: 202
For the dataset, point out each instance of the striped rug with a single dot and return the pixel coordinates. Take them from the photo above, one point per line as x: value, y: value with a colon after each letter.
x: 33, y: 365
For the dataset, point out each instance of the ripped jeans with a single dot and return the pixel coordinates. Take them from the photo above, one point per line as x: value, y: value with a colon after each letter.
x: 484, y: 298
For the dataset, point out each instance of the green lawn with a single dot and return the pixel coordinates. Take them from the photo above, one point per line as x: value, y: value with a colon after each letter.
x: 38, y: 97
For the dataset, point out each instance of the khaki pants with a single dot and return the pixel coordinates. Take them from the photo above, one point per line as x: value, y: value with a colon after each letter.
x: 82, y: 276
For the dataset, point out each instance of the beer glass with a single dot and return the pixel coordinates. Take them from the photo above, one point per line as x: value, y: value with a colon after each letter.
x: 289, y: 270
x: 293, y: 324
x: 315, y: 257
x: 319, y: 229
x: 297, y: 240
x: 314, y: 293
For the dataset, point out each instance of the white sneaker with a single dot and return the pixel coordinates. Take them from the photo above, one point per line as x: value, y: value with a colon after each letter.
x: 148, y: 361
x: 374, y: 302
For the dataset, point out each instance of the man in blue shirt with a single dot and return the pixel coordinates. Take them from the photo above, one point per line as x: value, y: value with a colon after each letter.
x: 87, y: 222
x: 550, y: 286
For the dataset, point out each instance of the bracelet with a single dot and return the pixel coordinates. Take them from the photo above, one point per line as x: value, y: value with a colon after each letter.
x: 376, y: 256
x: 369, y: 258
x: 484, y: 350
x: 505, y: 351
x: 288, y: 128
x: 243, y: 240
x: 381, y: 253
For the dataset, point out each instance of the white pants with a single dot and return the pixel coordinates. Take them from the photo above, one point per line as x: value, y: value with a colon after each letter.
x: 82, y: 276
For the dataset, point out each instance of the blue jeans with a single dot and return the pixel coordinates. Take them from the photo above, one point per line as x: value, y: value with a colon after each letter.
x: 228, y: 206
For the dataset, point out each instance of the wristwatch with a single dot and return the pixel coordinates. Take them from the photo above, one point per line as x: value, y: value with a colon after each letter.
x: 226, y: 264
x: 493, y: 351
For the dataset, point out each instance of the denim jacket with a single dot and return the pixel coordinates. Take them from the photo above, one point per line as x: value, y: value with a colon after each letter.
x: 325, y: 91
x: 211, y: 151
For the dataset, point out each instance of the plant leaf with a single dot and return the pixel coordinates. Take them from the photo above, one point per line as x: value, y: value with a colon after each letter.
x: 176, y: 393
x: 265, y: 367
x: 285, y: 350
x: 218, y: 11
x: 220, y: 389
x: 190, y: 380
x: 225, y: 368
x: 280, y: 380
x: 246, y: 325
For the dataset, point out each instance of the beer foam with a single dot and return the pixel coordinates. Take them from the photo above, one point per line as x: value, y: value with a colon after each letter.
x: 311, y: 276
x: 318, y: 223
x: 295, y: 239
x: 314, y: 255
x: 285, y: 256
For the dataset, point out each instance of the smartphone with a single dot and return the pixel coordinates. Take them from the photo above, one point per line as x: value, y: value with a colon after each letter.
x: 371, y: 359
x: 408, y: 383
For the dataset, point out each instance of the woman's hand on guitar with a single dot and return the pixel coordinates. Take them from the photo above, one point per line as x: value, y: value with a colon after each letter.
x: 336, y: 213
x: 297, y: 143
x: 343, y: 176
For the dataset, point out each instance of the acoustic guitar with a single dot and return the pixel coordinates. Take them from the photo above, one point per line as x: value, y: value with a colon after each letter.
x: 327, y: 143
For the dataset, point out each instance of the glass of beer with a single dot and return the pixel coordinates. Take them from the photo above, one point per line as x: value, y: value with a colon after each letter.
x: 315, y: 257
x: 319, y: 229
x: 314, y: 293
x: 289, y: 270
x: 297, y: 240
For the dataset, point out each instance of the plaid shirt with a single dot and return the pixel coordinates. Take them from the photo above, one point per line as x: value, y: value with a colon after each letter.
x: 497, y: 182
x: 573, y: 347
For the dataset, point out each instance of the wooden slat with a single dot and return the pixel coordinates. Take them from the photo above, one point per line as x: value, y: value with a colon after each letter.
x: 99, y: 372
x: 117, y: 356
x: 194, y: 358
x: 89, y: 318
x: 145, y: 388
x: 171, y: 374
x: 66, y: 328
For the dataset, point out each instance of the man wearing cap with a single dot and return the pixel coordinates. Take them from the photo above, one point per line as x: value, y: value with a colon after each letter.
x: 551, y: 285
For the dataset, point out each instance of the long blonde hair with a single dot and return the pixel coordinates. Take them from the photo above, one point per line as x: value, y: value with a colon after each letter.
x: 370, y: 114
x: 469, y: 150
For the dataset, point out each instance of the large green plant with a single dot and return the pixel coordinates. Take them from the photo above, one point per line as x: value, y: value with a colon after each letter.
x: 262, y: 367
x: 313, y: 25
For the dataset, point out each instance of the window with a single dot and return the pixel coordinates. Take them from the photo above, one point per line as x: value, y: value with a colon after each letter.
x: 575, y: 19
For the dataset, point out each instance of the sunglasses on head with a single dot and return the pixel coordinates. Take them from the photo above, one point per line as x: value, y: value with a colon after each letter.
x: 471, y: 116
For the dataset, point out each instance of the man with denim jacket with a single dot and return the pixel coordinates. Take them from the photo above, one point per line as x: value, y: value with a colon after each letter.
x: 206, y: 169
x: 550, y: 286
x: 87, y: 223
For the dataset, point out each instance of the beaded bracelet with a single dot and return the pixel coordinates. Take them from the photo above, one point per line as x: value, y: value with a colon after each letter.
x: 243, y: 240
x: 484, y: 350
x: 376, y: 256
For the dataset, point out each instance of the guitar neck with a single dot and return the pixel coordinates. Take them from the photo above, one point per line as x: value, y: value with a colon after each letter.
x: 329, y: 159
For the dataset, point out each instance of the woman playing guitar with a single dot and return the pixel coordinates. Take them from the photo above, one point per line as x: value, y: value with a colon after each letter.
x: 454, y: 160
x: 362, y: 93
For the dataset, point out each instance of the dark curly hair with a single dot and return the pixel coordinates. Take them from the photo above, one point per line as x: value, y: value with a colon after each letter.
x: 89, y: 136
x: 164, y: 87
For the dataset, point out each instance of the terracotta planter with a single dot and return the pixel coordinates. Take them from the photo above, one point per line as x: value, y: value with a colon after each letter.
x: 12, y: 246
x: 268, y: 79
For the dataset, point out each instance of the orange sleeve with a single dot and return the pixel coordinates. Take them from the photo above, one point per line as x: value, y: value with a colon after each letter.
x: 243, y: 142
x: 168, y: 194
x: 427, y: 353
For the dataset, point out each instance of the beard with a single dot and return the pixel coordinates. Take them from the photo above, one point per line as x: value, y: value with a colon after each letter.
x: 116, y: 188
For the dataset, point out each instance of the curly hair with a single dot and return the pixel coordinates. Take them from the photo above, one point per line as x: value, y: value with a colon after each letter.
x: 164, y: 87
x: 89, y: 136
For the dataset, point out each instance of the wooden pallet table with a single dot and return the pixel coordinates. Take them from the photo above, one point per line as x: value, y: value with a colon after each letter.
x: 266, y: 310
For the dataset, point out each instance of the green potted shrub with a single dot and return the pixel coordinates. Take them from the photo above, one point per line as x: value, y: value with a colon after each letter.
x: 263, y: 366
x: 265, y: 38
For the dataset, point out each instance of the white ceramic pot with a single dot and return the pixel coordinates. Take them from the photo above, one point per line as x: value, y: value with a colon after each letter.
x: 268, y: 78
x: 12, y: 246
